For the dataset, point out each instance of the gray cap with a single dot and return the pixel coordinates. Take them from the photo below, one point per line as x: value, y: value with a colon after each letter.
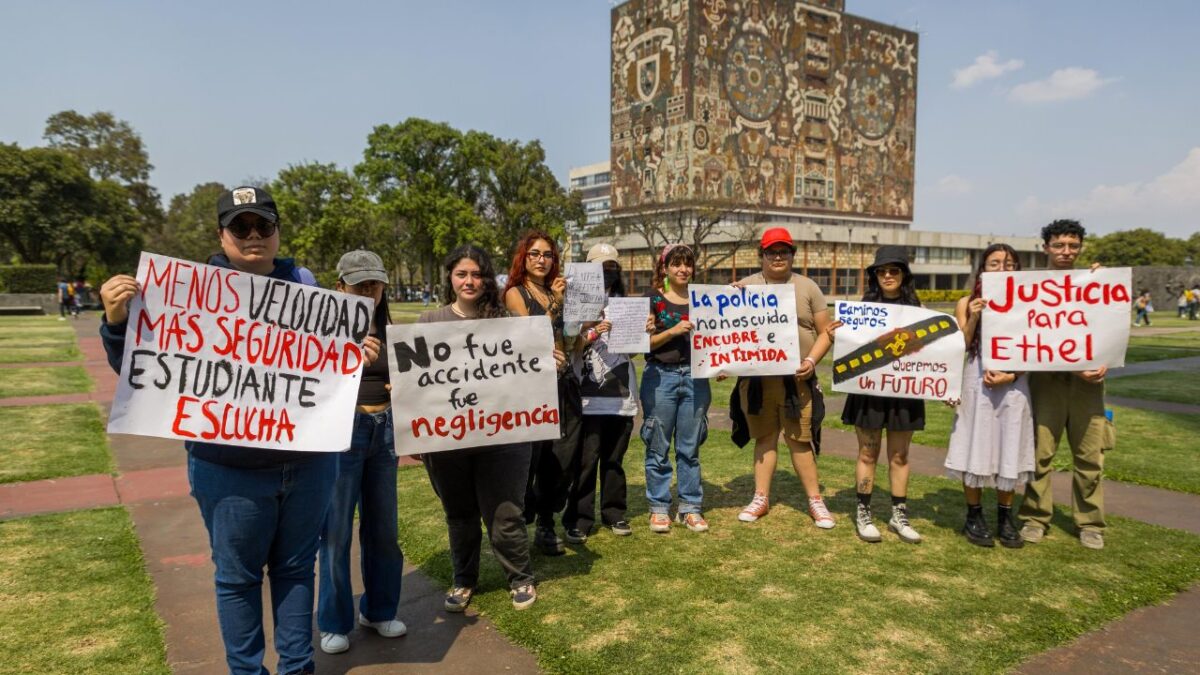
x: 358, y: 266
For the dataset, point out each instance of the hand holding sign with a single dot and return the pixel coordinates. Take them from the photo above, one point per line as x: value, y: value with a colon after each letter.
x: 628, y: 334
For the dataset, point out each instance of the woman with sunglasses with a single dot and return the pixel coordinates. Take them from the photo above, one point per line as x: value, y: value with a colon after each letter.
x: 262, y: 508
x: 490, y: 481
x: 536, y: 287
x: 674, y: 404
x: 888, y: 281
x: 367, y: 483
x: 992, y: 440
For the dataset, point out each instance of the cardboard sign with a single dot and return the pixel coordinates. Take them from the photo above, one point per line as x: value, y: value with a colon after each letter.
x: 628, y: 334
x: 585, y: 296
x: 1055, y: 320
x: 898, y: 351
x: 463, y: 384
x: 227, y: 357
x: 744, y: 331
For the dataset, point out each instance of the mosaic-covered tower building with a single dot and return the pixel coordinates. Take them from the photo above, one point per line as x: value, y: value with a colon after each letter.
x: 775, y: 105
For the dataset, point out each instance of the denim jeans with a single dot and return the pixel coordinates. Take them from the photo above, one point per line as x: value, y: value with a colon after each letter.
x: 271, y: 518
x: 366, y: 480
x: 675, y: 406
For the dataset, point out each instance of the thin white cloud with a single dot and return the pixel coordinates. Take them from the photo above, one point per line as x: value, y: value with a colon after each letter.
x: 1065, y: 84
x: 953, y: 184
x: 1168, y: 202
x: 986, y: 67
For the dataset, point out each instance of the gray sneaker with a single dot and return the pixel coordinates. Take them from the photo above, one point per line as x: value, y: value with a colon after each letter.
x: 864, y: 526
x: 523, y: 596
x: 1093, y: 539
x: 1033, y: 533
x: 899, y: 524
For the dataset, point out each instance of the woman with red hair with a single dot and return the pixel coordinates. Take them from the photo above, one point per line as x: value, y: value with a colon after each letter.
x: 536, y: 287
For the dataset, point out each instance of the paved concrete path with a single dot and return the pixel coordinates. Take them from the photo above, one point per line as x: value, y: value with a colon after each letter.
x: 1189, y: 363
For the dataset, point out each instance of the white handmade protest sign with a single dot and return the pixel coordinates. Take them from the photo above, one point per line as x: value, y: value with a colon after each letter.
x: 1055, y: 319
x: 744, y: 331
x: 585, y: 292
x: 221, y: 356
x: 628, y: 333
x: 897, y: 351
x: 462, y: 384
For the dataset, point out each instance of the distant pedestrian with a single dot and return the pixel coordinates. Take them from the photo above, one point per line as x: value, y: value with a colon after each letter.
x: 64, y: 298
x: 425, y: 293
x: 1182, y: 305
x: 1194, y: 303
x: 1142, y: 309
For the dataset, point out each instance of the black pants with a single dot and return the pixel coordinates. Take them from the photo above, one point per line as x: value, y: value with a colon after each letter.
x: 550, y: 472
x: 601, y: 451
x: 487, y: 483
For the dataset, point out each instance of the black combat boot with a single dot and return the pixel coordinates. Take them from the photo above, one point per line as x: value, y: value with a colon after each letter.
x: 976, y: 529
x: 1006, y: 532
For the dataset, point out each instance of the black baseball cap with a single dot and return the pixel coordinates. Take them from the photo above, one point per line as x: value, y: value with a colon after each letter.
x: 245, y: 199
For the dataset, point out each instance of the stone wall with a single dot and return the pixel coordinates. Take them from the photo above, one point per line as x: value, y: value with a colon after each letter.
x: 47, y: 301
x: 1165, y: 283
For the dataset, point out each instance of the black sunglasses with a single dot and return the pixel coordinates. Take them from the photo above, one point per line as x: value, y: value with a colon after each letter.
x: 241, y: 229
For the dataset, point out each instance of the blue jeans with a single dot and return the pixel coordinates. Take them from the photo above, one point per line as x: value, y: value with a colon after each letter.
x: 675, y: 406
x: 367, y: 480
x: 264, y: 517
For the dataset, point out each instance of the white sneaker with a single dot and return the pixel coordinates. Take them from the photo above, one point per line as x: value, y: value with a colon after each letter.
x: 864, y: 525
x: 334, y: 643
x: 899, y: 525
x: 389, y: 629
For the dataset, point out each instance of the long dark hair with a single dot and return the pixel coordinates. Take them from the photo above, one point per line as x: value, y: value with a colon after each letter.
x: 908, y: 288
x: 489, y: 305
x: 671, y: 254
x: 617, y: 290
x: 977, y: 287
x: 517, y: 273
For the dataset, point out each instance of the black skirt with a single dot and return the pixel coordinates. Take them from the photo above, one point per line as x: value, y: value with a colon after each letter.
x: 881, y: 412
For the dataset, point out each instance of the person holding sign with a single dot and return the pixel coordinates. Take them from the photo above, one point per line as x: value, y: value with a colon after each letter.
x: 791, y: 405
x: 888, y: 281
x: 674, y: 405
x: 1071, y: 402
x: 485, y: 482
x: 262, y: 508
x: 536, y: 288
x: 991, y: 442
x: 608, y: 390
x: 366, y: 481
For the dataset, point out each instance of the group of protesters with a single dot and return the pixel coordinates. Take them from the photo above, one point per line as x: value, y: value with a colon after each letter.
x: 280, y: 511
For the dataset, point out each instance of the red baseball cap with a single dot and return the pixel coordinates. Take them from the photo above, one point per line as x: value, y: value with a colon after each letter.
x: 777, y: 235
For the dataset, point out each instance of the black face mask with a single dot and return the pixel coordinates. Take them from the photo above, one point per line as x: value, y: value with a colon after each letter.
x: 611, y: 277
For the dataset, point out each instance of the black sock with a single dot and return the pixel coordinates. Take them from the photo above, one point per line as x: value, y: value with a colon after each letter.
x: 1003, y: 512
x: 974, y: 510
x: 864, y: 498
x: 899, y: 501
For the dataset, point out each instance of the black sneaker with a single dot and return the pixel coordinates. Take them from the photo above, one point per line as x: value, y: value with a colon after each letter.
x: 621, y: 528
x: 549, y: 543
x: 976, y: 530
x: 523, y: 596
x: 576, y: 536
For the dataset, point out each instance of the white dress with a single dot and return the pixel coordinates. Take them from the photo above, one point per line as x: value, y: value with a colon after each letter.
x: 992, y: 441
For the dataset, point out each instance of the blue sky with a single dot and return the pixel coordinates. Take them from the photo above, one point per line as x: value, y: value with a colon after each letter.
x: 1027, y: 109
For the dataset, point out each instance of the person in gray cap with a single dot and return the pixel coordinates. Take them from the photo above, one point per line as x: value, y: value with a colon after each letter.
x: 366, y: 481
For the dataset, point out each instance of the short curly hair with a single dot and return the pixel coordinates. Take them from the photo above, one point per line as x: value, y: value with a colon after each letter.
x: 1062, y: 227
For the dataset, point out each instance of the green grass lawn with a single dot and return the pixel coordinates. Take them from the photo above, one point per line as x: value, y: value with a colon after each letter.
x: 1160, y: 347
x: 939, y: 419
x: 52, y: 441
x: 1179, y: 386
x: 1167, y: 319
x: 36, y: 339
x: 782, y: 596
x: 75, y: 597
x: 43, y: 381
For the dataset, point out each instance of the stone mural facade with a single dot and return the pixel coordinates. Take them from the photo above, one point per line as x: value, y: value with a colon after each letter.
x: 791, y: 106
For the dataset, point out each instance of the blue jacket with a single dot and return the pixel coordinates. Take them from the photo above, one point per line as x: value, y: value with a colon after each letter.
x: 113, y: 335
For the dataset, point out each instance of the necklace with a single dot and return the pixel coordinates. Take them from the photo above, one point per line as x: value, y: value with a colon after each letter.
x: 455, y: 308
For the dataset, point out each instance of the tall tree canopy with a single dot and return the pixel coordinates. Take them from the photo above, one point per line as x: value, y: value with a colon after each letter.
x: 1140, y: 246
x: 325, y: 211
x: 189, y: 230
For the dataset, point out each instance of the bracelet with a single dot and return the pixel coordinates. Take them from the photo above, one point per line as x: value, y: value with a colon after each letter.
x: 810, y: 360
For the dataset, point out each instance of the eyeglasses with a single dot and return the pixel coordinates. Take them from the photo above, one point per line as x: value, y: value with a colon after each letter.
x: 889, y: 271
x: 539, y: 255
x: 1063, y: 246
x: 241, y: 229
x: 778, y: 253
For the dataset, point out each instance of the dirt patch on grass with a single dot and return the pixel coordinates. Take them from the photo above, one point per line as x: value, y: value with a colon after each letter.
x: 624, y: 631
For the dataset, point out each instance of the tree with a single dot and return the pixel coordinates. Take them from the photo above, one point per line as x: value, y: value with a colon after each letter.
x: 1127, y: 248
x: 110, y: 150
x: 325, y: 212
x: 52, y: 211
x: 189, y: 230
x: 714, y: 229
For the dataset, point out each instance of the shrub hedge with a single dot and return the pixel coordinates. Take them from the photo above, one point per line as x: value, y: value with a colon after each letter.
x: 926, y: 296
x: 28, y: 278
